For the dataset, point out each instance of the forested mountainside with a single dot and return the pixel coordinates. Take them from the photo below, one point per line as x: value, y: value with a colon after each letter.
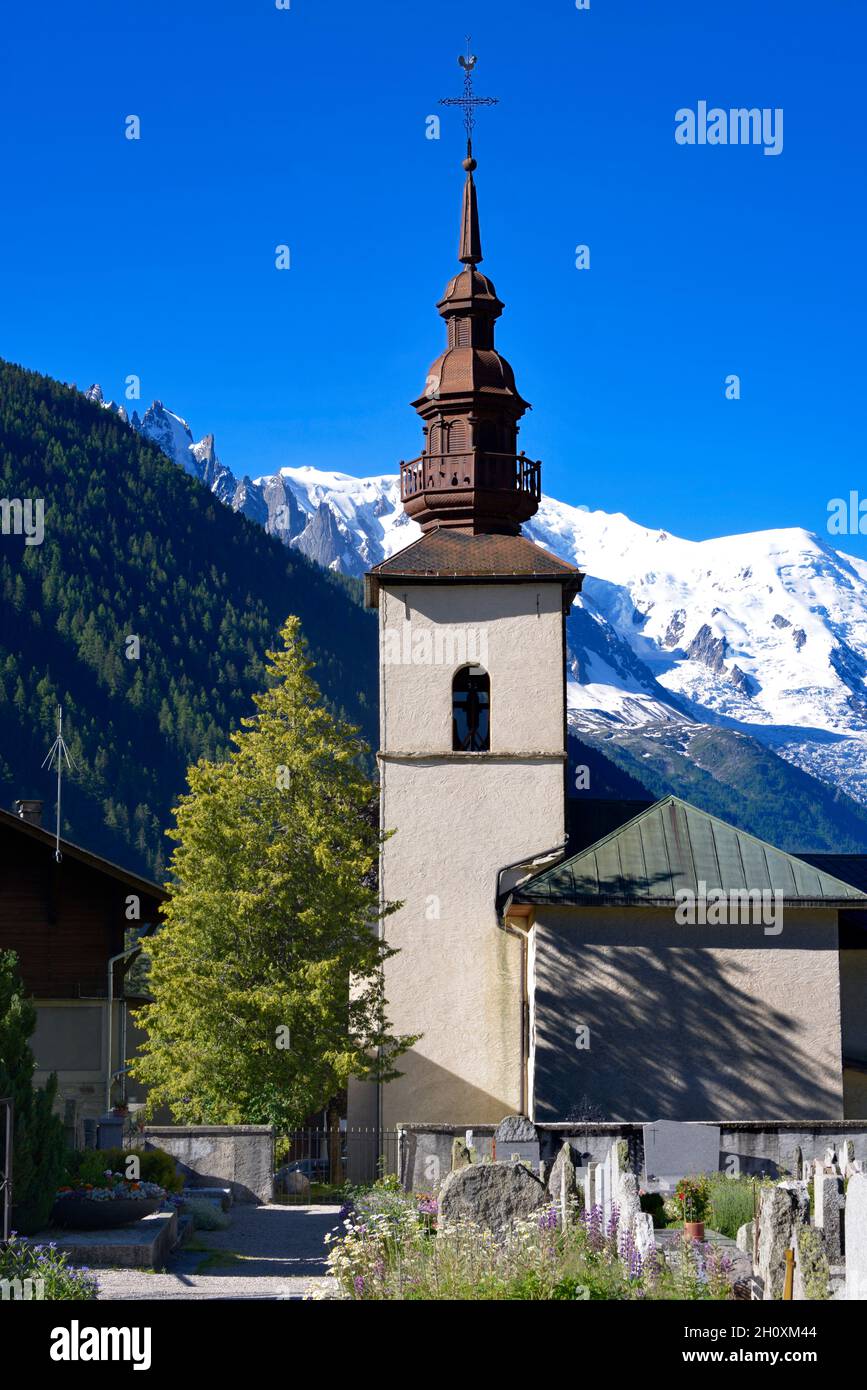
x: 135, y: 549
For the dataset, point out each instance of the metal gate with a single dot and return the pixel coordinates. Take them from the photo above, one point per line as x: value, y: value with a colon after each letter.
x: 317, y: 1164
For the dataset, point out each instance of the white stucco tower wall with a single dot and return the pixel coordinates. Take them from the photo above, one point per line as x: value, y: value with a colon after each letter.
x: 457, y: 818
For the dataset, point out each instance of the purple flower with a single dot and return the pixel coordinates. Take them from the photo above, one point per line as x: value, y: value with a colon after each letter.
x: 358, y: 1281
x: 593, y: 1222
x: 548, y: 1219
x: 613, y: 1221
x: 630, y: 1255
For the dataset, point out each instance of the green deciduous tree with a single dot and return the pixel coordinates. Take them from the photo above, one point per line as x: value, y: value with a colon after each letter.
x: 267, y: 974
x: 38, y: 1145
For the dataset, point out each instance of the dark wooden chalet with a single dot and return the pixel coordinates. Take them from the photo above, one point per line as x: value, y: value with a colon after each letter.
x: 65, y: 921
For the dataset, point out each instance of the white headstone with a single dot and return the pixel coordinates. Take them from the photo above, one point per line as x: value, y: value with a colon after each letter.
x: 591, y: 1189
x: 644, y: 1237
x: 856, y: 1237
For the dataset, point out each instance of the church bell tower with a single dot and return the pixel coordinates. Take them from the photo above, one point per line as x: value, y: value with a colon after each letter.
x: 472, y: 753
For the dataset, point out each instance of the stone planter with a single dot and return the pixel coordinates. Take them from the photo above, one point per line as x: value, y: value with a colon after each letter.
x: 85, y: 1214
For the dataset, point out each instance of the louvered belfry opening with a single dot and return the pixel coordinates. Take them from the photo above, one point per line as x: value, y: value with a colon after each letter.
x: 471, y: 475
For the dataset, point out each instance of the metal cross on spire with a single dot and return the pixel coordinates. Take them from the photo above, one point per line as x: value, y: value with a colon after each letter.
x: 468, y: 101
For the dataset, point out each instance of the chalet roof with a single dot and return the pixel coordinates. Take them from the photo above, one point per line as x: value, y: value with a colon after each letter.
x: 143, y: 886
x: 446, y: 553
x: 672, y: 846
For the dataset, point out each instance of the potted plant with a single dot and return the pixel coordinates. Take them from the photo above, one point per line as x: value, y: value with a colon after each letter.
x: 693, y: 1229
x: 116, y: 1201
x: 693, y: 1194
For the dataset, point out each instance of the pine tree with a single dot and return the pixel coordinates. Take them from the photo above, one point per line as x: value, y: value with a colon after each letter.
x: 266, y: 974
x: 38, y: 1144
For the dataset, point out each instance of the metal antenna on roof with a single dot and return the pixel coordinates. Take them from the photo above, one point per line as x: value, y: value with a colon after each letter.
x: 58, y: 751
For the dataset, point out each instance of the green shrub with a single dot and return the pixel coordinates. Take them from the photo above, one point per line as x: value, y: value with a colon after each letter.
x: 38, y: 1143
x: 89, y: 1165
x: 654, y: 1203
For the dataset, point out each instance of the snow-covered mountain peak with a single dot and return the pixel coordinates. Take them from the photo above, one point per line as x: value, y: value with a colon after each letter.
x: 765, y: 631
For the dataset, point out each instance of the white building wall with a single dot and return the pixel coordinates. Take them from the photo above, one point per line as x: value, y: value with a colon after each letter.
x: 458, y: 818
x: 706, y: 1022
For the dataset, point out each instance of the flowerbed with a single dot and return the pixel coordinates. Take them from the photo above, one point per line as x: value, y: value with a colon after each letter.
x: 389, y: 1248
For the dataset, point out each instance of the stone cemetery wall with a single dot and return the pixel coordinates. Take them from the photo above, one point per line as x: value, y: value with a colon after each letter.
x: 240, y: 1157
x: 753, y: 1149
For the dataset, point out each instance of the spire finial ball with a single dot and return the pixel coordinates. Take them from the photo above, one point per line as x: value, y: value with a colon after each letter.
x: 470, y: 164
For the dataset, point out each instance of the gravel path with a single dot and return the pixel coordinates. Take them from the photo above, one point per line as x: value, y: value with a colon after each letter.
x: 268, y: 1252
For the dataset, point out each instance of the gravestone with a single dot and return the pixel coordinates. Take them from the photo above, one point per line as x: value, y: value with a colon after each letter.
x: 800, y: 1198
x: 563, y: 1179
x: 591, y: 1187
x: 744, y: 1237
x: 491, y: 1194
x: 673, y: 1150
x: 461, y: 1156
x: 517, y: 1140
x: 780, y: 1210
x: 628, y: 1204
x: 856, y: 1237
x: 826, y: 1213
x: 603, y: 1187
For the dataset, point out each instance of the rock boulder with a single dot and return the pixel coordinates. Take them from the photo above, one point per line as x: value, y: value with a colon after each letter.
x: 491, y: 1194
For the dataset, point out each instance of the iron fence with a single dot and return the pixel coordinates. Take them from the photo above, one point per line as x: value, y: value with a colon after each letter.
x: 317, y: 1163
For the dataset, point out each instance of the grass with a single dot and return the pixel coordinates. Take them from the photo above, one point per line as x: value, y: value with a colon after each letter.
x: 218, y: 1259
x: 731, y: 1204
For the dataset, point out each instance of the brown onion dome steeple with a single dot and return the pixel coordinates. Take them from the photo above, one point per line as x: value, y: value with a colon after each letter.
x: 470, y: 475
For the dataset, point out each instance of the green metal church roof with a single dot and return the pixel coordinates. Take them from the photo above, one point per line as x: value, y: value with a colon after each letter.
x: 672, y: 846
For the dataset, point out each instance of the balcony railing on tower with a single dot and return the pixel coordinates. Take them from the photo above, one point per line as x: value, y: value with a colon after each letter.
x: 484, y: 471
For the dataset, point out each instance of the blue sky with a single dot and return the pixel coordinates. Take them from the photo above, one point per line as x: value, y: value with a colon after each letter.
x: 307, y: 127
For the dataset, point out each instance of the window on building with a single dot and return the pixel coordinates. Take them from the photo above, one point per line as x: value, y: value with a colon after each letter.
x: 471, y: 710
